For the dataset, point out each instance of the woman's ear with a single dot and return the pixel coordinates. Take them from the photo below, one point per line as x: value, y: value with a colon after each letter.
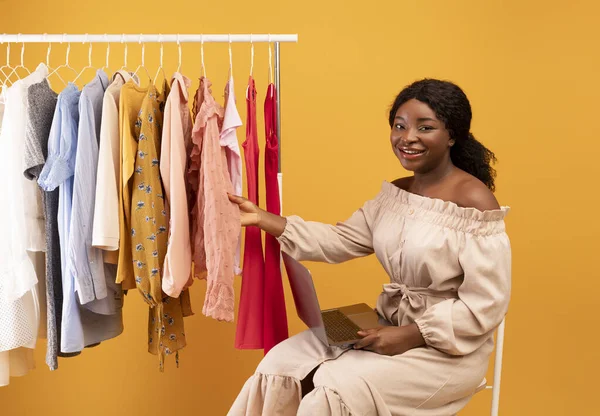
x: 451, y: 142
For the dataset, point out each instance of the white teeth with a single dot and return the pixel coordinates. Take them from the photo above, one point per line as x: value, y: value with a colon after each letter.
x: 412, y: 152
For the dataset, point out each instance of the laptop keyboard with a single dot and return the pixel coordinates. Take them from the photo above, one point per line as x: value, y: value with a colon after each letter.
x: 339, y: 327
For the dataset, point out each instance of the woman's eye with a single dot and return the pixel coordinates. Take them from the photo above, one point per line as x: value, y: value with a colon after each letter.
x: 399, y: 126
x: 425, y: 128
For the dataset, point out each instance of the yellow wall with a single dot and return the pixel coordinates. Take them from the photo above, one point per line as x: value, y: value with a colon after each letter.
x: 531, y: 70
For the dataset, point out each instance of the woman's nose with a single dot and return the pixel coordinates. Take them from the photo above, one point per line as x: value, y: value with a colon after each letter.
x: 410, y: 136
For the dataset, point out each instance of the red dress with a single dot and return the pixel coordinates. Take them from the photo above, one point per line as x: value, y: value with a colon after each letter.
x: 275, y: 318
x: 249, y: 330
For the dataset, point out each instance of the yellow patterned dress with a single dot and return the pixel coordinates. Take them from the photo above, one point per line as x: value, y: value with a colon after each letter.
x: 149, y: 222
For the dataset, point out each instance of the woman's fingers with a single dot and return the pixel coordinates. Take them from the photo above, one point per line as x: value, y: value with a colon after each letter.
x: 365, y: 332
x: 244, y: 204
x: 248, y: 211
x: 365, y: 342
x: 236, y: 199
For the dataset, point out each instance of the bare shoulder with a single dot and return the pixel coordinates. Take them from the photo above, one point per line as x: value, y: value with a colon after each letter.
x: 472, y: 193
x: 404, y: 183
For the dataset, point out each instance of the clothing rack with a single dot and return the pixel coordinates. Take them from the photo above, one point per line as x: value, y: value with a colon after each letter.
x: 276, y: 39
x: 148, y: 38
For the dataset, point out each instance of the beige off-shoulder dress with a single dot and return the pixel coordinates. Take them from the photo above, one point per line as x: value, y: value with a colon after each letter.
x: 450, y: 272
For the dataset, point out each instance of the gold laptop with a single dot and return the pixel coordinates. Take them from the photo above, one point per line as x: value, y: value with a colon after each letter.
x: 338, y: 326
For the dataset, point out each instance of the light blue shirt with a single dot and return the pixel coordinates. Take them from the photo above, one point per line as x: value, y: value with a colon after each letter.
x: 85, y: 262
x: 81, y: 327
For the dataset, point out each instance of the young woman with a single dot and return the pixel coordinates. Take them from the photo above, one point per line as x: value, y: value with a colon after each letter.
x: 440, y: 236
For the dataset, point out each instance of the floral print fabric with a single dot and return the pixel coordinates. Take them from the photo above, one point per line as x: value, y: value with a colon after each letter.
x: 149, y: 221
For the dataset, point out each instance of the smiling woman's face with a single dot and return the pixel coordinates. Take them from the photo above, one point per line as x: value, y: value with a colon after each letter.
x: 419, y: 139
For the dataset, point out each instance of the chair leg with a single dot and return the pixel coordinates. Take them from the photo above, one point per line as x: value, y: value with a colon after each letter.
x: 498, y: 369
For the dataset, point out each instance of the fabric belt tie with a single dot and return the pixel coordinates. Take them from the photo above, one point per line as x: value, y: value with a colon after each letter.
x: 413, y: 294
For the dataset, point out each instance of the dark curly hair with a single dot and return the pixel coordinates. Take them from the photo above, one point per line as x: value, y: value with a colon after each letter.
x: 452, y: 107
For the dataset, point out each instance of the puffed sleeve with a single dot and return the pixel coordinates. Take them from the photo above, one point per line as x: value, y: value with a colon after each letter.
x: 315, y: 241
x: 460, y: 326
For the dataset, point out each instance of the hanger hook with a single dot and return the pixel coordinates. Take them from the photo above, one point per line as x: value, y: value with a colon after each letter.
x: 48, y: 52
x: 68, y: 49
x: 230, y: 55
x: 125, y: 52
x: 22, y: 48
x: 251, y: 55
x: 202, y: 54
x: 270, y: 61
x: 89, y: 50
x: 44, y: 36
x: 107, y: 49
x: 143, y: 50
x: 179, y: 53
x: 161, y: 49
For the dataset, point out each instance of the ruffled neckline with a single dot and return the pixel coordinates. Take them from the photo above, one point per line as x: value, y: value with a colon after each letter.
x: 442, y: 207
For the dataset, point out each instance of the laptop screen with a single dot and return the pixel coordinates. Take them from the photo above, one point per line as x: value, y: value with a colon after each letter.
x: 305, y: 296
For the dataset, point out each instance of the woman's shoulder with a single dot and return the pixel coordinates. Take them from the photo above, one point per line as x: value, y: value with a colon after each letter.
x: 470, y: 192
x: 460, y: 203
x: 466, y: 191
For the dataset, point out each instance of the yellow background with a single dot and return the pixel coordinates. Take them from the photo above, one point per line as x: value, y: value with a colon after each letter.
x: 531, y: 71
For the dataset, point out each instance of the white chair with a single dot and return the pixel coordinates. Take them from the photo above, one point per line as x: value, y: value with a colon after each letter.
x: 495, y: 388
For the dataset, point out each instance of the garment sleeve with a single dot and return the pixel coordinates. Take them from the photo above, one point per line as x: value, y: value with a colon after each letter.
x: 53, y: 149
x: 178, y: 259
x: 84, y: 262
x: 60, y: 169
x: 221, y: 225
x: 33, y: 158
x: 106, y: 211
x: 77, y: 260
x: 460, y: 326
x: 315, y: 241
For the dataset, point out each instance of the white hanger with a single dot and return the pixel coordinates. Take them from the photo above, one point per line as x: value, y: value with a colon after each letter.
x: 230, y: 59
x: 179, y: 52
x: 124, y: 67
x: 251, y: 55
x: 66, y: 64
x: 21, y: 65
x: 106, y: 68
x: 160, y: 65
x: 142, y: 65
x: 89, y: 65
x: 48, y: 62
x: 270, y: 62
x: 7, y: 66
x: 251, y: 63
x: 202, y: 55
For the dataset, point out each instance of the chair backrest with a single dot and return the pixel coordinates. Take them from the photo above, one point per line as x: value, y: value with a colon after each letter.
x: 497, y: 369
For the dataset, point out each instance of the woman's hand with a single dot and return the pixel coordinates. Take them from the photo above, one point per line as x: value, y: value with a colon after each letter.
x: 250, y: 213
x: 390, y: 340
